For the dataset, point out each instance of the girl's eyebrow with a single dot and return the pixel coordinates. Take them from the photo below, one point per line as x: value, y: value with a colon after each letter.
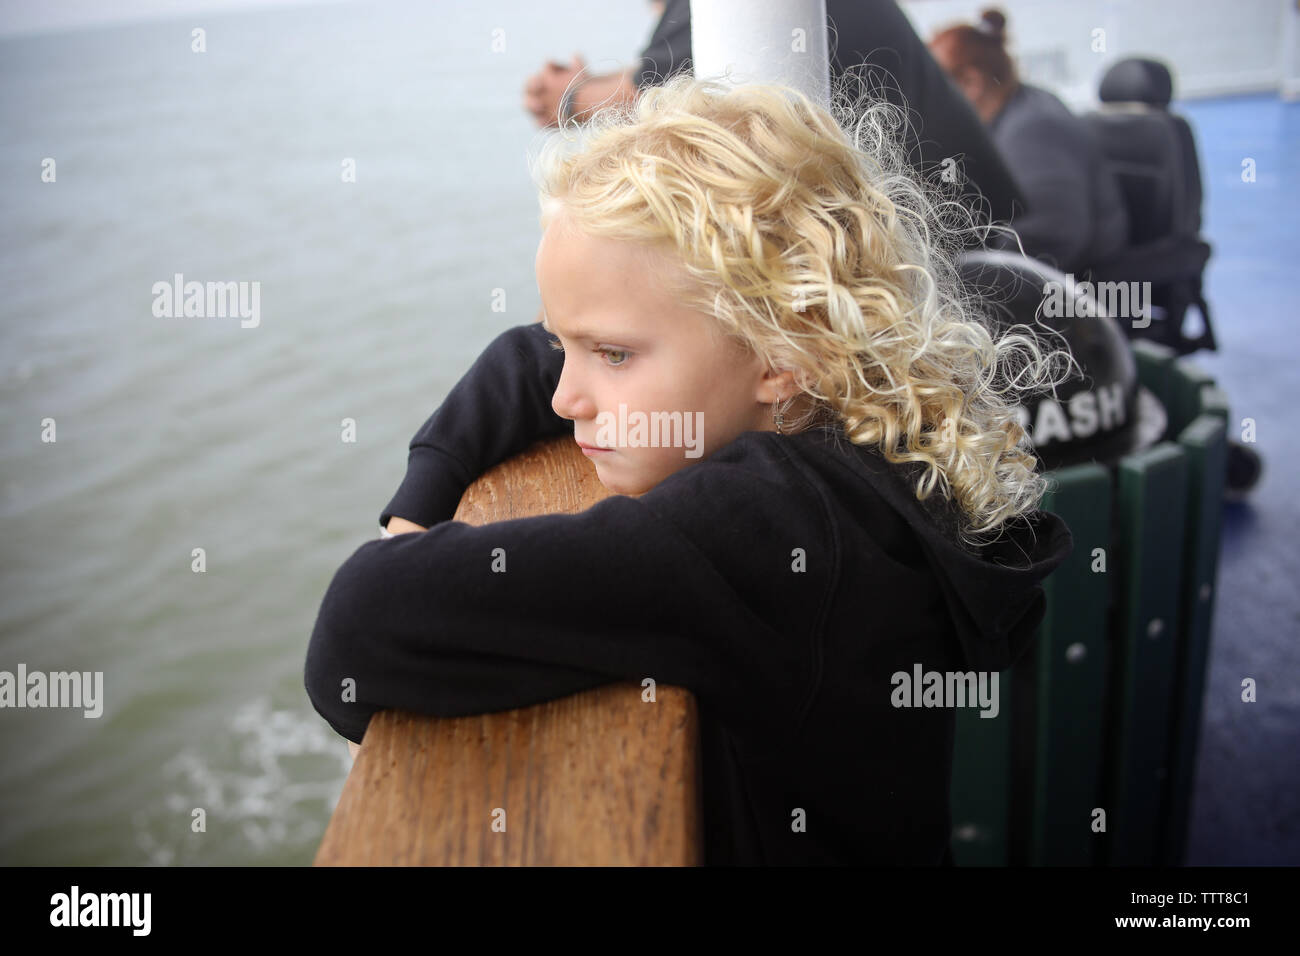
x: 580, y: 336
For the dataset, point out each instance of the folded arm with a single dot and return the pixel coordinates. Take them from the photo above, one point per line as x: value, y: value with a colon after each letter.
x: 466, y: 619
x: 498, y: 408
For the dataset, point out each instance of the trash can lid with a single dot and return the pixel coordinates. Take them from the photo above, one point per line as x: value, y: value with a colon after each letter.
x: 1100, y: 415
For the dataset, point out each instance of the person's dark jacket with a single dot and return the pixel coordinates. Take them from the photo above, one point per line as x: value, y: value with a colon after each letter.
x: 783, y: 580
x: 942, y: 124
x: 1075, y: 216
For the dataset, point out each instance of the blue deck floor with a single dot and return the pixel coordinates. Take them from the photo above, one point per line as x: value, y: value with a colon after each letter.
x: 1246, y: 805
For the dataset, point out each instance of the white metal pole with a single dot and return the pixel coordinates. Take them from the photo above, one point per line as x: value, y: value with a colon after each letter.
x: 763, y: 41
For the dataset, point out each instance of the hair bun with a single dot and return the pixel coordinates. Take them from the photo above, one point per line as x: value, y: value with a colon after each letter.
x: 993, y: 22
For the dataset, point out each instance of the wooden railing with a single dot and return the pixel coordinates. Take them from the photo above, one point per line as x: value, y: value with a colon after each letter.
x: 599, y: 778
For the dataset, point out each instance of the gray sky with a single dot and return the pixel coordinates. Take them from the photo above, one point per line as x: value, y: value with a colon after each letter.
x: 41, y: 16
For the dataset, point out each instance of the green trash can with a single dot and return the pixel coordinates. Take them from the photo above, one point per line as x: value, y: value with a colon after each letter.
x: 1092, y: 762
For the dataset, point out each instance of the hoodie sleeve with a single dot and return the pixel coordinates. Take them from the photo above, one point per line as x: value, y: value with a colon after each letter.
x: 669, y: 47
x: 464, y: 619
x: 498, y: 408
x: 878, y: 36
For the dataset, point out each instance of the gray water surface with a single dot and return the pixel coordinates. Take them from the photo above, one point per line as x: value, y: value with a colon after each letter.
x: 177, y: 433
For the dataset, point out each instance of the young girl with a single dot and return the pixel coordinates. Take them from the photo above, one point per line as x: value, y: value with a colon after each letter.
x: 836, y: 491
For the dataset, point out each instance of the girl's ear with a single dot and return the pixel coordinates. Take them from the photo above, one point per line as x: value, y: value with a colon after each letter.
x: 776, y: 386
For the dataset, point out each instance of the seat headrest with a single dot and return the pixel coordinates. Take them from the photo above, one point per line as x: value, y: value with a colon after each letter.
x: 1137, y: 80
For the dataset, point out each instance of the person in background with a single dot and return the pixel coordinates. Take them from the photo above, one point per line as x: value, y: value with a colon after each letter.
x: 872, y: 38
x: 544, y: 92
x: 1075, y: 215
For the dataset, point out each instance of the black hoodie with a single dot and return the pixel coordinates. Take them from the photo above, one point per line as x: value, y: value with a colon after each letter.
x: 785, y: 580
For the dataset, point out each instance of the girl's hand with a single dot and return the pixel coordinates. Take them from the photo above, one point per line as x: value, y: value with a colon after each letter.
x: 398, y: 525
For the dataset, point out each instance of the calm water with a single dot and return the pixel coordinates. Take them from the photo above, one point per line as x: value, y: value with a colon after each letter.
x: 180, y: 433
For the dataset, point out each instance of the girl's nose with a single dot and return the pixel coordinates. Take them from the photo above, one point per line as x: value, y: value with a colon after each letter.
x: 570, y: 399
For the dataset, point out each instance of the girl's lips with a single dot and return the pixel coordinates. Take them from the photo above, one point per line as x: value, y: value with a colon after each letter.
x: 593, y: 449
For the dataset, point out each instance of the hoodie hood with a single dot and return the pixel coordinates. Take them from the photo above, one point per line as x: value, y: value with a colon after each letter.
x: 994, y: 592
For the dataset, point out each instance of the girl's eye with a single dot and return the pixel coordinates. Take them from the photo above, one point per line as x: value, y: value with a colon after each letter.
x: 555, y: 344
x: 623, y: 352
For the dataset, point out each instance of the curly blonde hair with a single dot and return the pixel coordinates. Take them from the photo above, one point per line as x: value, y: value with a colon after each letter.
x: 813, y: 243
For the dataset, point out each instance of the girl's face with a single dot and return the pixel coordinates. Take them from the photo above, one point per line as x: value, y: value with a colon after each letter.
x: 634, y: 356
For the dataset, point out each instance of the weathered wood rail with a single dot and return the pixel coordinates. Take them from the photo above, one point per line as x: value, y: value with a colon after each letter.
x: 599, y: 778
